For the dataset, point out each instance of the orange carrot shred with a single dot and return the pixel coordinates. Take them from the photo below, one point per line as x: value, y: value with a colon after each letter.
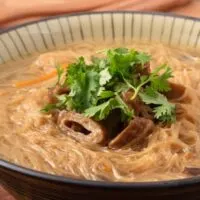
x: 40, y: 79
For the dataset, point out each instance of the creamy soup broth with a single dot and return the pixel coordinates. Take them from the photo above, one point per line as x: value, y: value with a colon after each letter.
x: 31, y: 139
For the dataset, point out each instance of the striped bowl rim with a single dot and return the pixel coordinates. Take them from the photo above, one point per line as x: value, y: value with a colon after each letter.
x: 103, y: 184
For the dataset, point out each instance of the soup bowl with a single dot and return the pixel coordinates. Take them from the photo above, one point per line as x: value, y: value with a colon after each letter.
x: 18, y: 43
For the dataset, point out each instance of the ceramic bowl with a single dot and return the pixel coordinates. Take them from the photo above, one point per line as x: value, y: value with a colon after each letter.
x: 18, y: 43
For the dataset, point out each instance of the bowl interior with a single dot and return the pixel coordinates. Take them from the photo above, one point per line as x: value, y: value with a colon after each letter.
x: 55, y: 33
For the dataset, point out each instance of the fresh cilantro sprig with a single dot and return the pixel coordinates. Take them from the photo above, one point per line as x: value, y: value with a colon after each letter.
x: 102, y: 111
x: 159, y: 82
x: 162, y: 108
x: 61, y: 104
x: 83, y: 82
x: 96, y: 88
x: 60, y: 71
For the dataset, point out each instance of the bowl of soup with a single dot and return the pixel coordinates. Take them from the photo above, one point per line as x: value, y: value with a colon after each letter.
x: 101, y: 106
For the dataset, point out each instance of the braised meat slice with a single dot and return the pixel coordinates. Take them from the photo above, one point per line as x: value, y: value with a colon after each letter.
x: 113, y: 123
x: 143, y: 70
x: 140, y: 109
x: 146, y: 69
x: 178, y: 93
x: 137, y: 129
x: 81, y: 128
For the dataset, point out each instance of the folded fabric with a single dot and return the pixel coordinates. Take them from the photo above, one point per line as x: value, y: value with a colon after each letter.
x: 15, y: 12
x: 4, y: 195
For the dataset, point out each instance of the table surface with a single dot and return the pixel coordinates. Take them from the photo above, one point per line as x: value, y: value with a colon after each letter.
x: 192, y: 9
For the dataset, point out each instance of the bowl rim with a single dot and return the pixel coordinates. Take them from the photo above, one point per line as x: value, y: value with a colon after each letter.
x: 154, y: 13
x: 6, y: 165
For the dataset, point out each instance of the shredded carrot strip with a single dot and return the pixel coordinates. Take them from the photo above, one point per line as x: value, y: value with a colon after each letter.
x: 40, y: 79
x: 3, y: 92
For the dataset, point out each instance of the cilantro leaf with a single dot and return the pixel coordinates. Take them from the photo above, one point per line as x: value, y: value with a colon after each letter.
x: 105, y: 94
x: 104, y: 76
x: 127, y: 114
x: 60, y: 72
x: 99, y: 63
x: 150, y: 96
x: 157, y: 82
x: 164, y: 110
x: 101, y: 111
x: 84, y: 83
x: 121, y: 50
x: 120, y: 87
x: 61, y: 104
x: 160, y: 82
x: 142, y: 58
x: 123, y: 61
x: 96, y: 88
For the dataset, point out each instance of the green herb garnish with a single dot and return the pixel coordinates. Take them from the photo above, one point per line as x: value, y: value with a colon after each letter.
x: 96, y: 87
x: 60, y: 72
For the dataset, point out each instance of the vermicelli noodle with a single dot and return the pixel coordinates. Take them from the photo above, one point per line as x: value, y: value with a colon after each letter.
x: 31, y: 139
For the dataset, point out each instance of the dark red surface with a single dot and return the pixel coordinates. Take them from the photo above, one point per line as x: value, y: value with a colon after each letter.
x: 4, y: 195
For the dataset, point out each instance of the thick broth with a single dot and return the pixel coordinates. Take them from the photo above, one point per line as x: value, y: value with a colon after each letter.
x: 31, y: 139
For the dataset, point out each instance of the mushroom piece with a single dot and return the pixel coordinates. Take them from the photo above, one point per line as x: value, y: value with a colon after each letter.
x: 178, y: 93
x: 137, y: 129
x: 81, y: 128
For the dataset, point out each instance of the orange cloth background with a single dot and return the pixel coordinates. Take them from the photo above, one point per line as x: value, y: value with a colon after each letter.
x: 13, y: 12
